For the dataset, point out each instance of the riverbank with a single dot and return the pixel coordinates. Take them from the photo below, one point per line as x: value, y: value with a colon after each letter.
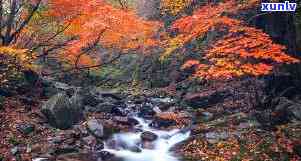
x: 47, y: 127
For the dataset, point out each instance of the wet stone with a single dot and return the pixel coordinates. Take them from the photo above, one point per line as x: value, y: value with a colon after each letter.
x: 25, y: 128
x: 148, y: 136
x: 95, y: 128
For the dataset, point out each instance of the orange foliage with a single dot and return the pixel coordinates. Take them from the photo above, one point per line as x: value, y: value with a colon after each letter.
x: 242, y: 51
x: 181, y: 119
x: 97, y: 21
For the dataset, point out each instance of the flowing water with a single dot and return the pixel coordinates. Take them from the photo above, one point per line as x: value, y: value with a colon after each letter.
x: 159, y: 151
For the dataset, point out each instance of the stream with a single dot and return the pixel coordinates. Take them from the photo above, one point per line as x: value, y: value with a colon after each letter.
x: 157, y: 150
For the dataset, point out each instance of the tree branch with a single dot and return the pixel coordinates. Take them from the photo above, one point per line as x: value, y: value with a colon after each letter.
x: 26, y: 21
x: 86, y: 67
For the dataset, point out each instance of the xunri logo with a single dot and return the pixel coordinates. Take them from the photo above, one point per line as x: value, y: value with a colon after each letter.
x: 283, y: 7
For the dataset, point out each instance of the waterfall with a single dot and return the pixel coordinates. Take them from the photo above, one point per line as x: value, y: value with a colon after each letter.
x: 160, y: 148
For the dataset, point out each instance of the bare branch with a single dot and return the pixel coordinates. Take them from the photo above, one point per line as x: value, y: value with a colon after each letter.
x: 87, y: 67
x: 26, y: 21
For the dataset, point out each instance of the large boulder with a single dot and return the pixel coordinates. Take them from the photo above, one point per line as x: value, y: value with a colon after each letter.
x: 205, y: 98
x: 61, y: 111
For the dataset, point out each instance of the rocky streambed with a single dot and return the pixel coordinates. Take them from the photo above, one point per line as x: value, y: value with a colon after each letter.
x: 93, y: 124
x: 105, y: 125
x: 145, y: 143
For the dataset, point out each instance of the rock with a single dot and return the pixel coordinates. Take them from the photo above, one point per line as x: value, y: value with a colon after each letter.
x: 62, y: 86
x: 64, y: 150
x: 119, y: 111
x: 77, y: 157
x: 48, y: 89
x: 167, y: 119
x: 206, y: 98
x: 56, y: 140
x: 147, y: 145
x: 162, y: 100
x: 133, y: 121
x: 106, y: 93
x: 206, y: 116
x: 61, y: 111
x: 295, y: 111
x: 99, y: 146
x: 135, y: 149
x: 163, y: 123
x: 25, y: 128
x: 14, y: 150
x: 92, y: 99
x: 147, y: 111
x: 107, y: 156
x: 82, y: 130
x: 89, y: 140
x: 214, y: 137
x: 139, y: 99
x: 148, y: 136
x: 163, y: 103
x: 248, y: 124
x: 52, y: 87
x: 125, y: 120
x: 105, y: 107
x: 111, y: 94
x: 121, y: 120
x: 95, y: 128
x: 110, y: 128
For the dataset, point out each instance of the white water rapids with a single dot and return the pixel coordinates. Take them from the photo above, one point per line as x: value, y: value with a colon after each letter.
x: 161, y: 147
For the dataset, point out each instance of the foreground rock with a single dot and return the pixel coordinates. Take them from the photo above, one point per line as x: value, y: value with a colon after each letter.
x: 61, y: 111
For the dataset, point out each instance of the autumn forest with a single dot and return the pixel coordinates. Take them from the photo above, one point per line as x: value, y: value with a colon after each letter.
x: 149, y: 80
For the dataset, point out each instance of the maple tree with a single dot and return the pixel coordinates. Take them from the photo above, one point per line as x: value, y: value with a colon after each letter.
x: 173, y: 7
x: 25, y: 26
x: 15, y: 15
x: 240, y: 51
x: 99, y: 23
x: 13, y: 61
